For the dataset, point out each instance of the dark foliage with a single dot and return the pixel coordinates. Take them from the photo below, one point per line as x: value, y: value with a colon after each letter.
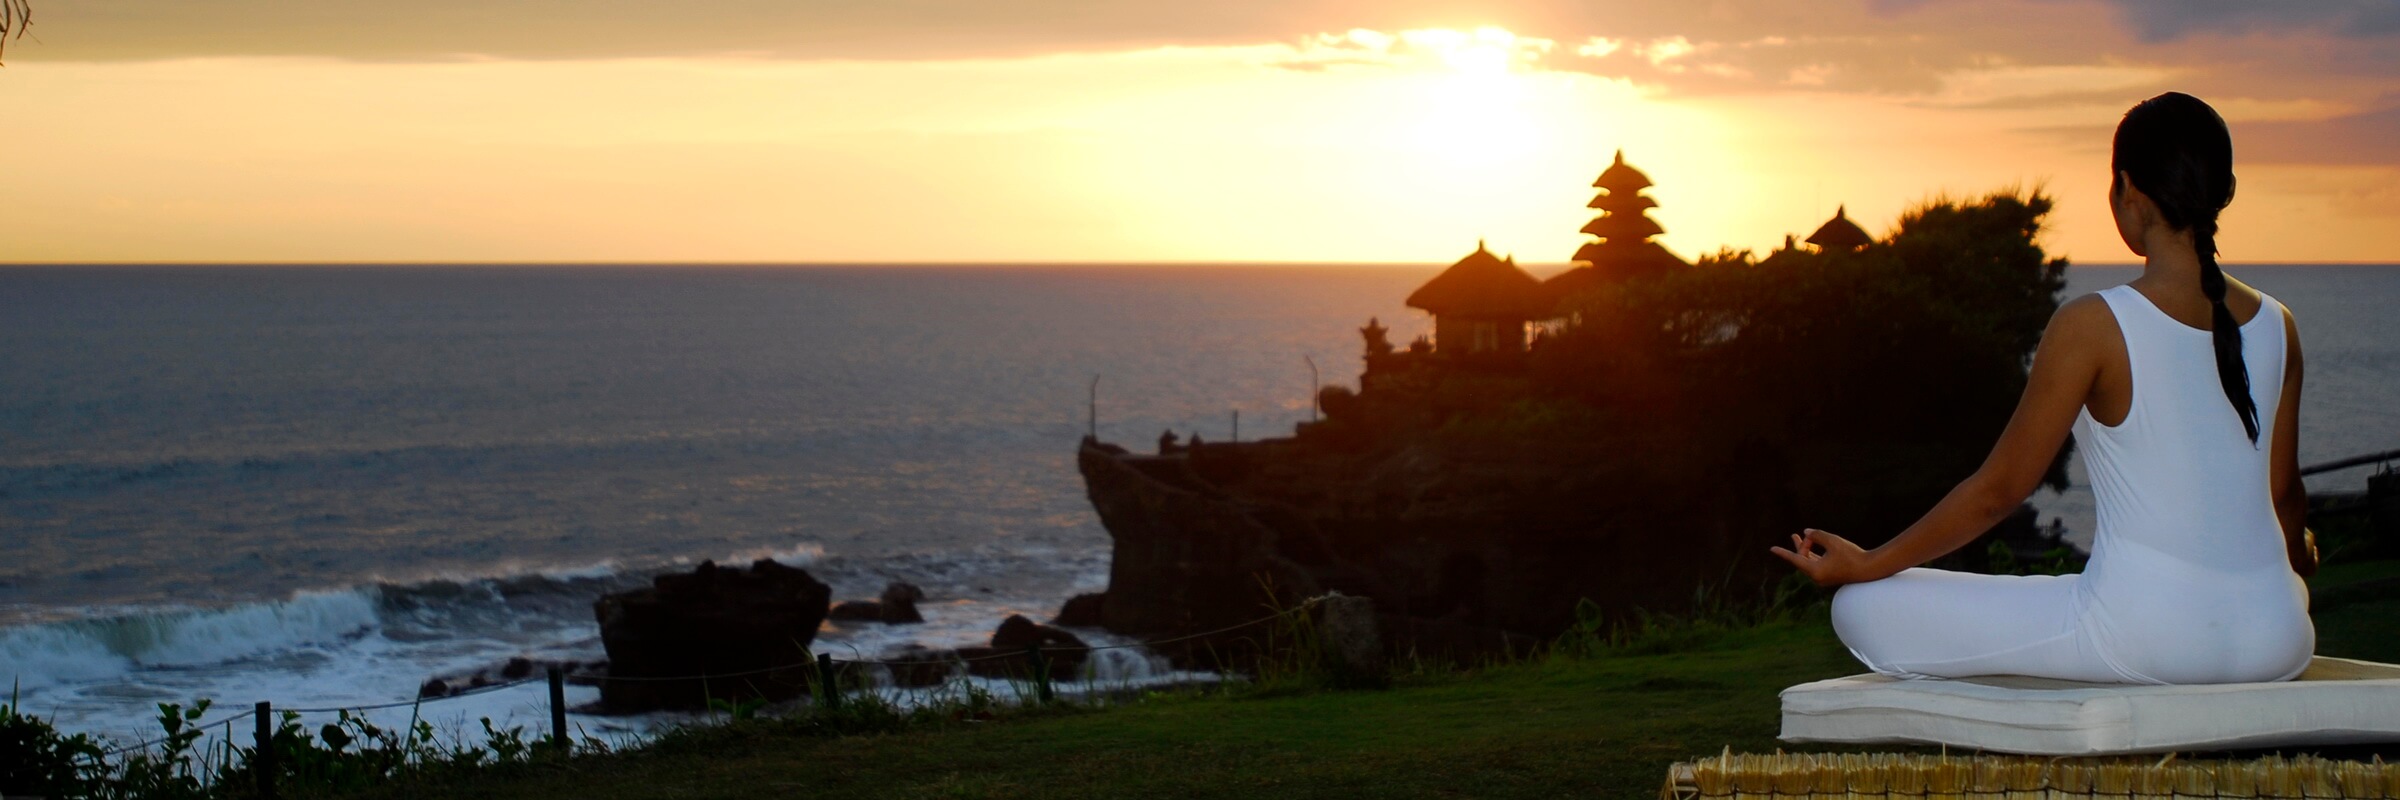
x: 1919, y: 341
x: 1930, y: 328
x: 36, y: 759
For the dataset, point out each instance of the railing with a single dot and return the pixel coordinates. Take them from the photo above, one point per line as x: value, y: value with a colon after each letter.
x: 2370, y: 458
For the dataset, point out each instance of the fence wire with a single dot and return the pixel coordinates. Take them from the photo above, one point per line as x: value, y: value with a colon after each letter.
x: 488, y: 688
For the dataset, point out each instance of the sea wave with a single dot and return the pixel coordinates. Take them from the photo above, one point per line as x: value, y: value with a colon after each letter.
x: 82, y: 650
x: 114, y: 642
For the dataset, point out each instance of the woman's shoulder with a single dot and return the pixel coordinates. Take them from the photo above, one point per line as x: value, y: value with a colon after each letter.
x: 2088, y: 314
x: 2083, y: 331
x: 2242, y: 297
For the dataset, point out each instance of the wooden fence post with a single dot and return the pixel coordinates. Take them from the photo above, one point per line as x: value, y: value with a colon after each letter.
x: 558, y: 708
x: 1041, y: 672
x: 829, y: 695
x: 262, y: 760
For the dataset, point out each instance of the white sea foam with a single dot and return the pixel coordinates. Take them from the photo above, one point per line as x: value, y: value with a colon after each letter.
x: 789, y: 555
x: 38, y: 656
x: 93, y: 649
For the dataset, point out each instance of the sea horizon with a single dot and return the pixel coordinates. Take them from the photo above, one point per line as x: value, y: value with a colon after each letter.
x: 233, y: 483
x: 1062, y: 263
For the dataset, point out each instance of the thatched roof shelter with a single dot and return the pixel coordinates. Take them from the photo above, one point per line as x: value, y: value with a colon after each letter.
x: 1483, y: 285
x: 1840, y: 233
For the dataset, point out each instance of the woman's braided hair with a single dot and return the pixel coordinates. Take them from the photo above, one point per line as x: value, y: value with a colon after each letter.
x: 2178, y: 152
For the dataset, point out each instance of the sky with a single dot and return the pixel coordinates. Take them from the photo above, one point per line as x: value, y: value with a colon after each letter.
x: 1084, y: 131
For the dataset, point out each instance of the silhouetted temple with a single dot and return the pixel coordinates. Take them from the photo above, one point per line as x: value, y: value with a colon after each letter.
x: 1840, y: 234
x: 1481, y: 305
x: 1624, y: 249
x: 1484, y: 307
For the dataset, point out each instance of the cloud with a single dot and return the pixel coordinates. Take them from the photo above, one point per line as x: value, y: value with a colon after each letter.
x: 2360, y: 139
x: 1991, y: 55
x: 1485, y: 49
x: 379, y: 30
x: 1679, y: 64
x: 2371, y: 137
x: 2169, y: 20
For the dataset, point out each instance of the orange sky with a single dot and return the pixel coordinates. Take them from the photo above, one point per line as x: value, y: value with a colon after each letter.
x: 143, y: 130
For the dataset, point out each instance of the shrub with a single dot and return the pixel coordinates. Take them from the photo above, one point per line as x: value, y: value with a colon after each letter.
x: 35, y: 759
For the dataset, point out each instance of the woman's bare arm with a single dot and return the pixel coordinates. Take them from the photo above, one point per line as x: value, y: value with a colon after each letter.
x: 2064, y: 366
x: 2283, y: 470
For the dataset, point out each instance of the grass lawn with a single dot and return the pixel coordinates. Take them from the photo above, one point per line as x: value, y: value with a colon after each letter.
x: 1606, y: 727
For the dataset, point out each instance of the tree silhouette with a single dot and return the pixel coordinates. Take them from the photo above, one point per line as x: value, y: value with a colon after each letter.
x: 15, y: 15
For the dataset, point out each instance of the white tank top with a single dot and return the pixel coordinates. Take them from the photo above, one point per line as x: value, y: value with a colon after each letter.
x: 2188, y: 558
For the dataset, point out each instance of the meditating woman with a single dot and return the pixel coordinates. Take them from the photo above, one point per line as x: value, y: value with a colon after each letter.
x: 2183, y: 387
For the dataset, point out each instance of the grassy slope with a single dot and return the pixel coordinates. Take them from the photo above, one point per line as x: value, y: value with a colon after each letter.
x: 1606, y: 728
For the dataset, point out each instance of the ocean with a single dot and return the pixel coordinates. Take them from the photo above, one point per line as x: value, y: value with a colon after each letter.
x: 321, y: 485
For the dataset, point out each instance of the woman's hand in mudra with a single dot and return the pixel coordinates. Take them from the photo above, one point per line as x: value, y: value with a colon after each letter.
x: 1839, y: 562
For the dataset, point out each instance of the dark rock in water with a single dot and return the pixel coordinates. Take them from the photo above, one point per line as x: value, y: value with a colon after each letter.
x: 1082, y: 611
x: 587, y: 673
x: 1006, y: 657
x: 918, y: 666
x: 1018, y: 633
x: 518, y: 668
x: 900, y: 602
x: 747, y: 630
x: 898, y: 605
x: 856, y: 611
x: 995, y: 662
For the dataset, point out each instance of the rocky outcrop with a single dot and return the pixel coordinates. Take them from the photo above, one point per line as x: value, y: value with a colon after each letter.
x: 1007, y: 656
x: 1018, y: 633
x: 1189, y: 558
x: 748, y: 630
x: 898, y: 605
x: 1464, y: 553
x: 514, y: 669
x: 1082, y: 611
x: 917, y: 666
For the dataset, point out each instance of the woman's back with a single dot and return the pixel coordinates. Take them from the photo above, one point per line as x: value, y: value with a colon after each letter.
x: 2187, y: 582
x: 2177, y: 473
x: 2195, y: 569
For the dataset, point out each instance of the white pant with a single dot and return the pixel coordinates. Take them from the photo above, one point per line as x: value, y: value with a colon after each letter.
x: 1936, y: 623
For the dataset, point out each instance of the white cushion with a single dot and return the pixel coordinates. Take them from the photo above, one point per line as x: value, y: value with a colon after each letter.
x: 2336, y: 701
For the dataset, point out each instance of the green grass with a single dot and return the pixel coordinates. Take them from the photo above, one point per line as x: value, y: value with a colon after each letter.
x: 1600, y: 727
x: 2359, y: 614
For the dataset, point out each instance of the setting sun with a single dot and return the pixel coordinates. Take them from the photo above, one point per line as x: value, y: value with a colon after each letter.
x: 1374, y: 137
x: 1055, y: 397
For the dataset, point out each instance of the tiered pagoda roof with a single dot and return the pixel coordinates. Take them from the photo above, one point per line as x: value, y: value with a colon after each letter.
x: 1623, y: 248
x: 1621, y: 180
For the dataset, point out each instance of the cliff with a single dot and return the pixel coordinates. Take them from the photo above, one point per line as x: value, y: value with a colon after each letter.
x: 1643, y: 454
x: 1464, y: 551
